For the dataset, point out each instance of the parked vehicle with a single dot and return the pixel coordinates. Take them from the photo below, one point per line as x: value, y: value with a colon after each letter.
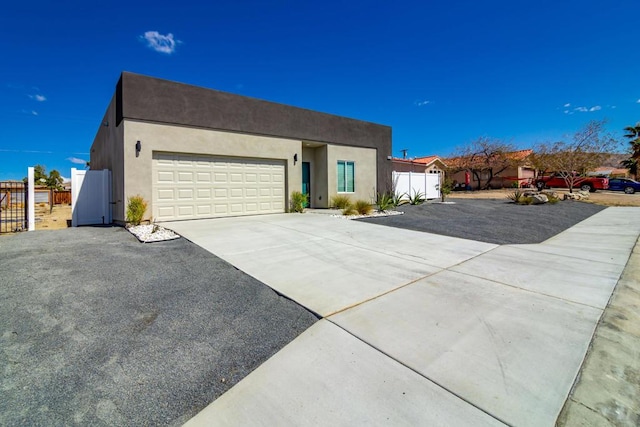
x: 584, y: 183
x: 629, y: 186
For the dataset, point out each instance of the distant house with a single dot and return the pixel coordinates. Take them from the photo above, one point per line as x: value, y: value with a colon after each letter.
x: 427, y: 164
x: 610, y: 172
x: 520, y: 176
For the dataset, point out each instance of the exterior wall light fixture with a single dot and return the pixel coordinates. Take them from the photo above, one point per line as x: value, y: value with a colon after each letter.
x: 138, y: 148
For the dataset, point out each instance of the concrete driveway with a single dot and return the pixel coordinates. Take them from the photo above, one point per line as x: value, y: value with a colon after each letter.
x: 419, y: 328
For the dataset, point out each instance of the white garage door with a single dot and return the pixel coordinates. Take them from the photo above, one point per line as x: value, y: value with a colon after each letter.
x: 189, y: 186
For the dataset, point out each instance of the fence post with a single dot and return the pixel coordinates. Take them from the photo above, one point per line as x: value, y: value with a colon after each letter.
x: 31, y: 199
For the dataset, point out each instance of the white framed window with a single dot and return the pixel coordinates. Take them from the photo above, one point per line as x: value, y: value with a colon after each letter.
x: 346, y: 176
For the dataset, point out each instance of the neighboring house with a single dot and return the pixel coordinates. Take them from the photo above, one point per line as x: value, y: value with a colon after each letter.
x: 521, y: 176
x: 193, y: 152
x: 427, y: 164
x: 610, y: 172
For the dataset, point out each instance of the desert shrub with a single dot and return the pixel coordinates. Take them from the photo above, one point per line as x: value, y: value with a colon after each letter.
x: 525, y: 200
x: 385, y: 201
x: 446, y: 188
x: 349, y: 210
x: 363, y: 207
x: 400, y: 199
x: 553, y: 199
x: 417, y: 199
x: 136, y: 207
x: 516, y: 196
x: 298, y: 201
x: 340, y: 201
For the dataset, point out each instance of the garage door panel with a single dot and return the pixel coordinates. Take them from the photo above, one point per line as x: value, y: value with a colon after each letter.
x: 215, y: 186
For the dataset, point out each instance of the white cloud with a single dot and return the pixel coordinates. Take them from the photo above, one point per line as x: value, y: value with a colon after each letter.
x: 34, y: 113
x: 638, y: 101
x: 160, y: 42
x: 422, y: 103
x: 595, y: 108
x: 77, y: 160
x: 37, y: 97
x: 581, y: 109
x: 567, y: 105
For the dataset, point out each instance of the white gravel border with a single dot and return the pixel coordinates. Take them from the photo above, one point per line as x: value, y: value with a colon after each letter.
x: 152, y: 233
x: 371, y: 215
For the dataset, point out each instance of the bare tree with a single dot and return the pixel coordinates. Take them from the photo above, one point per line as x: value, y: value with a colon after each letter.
x: 586, y: 150
x: 485, y: 158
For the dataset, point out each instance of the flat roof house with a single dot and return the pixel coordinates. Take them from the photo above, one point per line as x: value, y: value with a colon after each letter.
x: 196, y: 153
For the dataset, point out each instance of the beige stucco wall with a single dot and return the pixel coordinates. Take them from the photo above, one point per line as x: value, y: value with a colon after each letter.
x: 365, y: 171
x: 178, y: 139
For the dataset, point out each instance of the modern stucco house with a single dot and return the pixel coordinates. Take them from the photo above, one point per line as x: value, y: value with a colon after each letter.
x: 193, y: 152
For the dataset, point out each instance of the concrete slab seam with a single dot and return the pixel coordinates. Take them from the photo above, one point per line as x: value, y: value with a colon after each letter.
x: 423, y: 376
x: 383, y: 294
x: 363, y: 247
x: 535, y: 292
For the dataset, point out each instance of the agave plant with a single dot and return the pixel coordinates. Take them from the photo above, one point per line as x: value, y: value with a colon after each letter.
x: 418, y: 198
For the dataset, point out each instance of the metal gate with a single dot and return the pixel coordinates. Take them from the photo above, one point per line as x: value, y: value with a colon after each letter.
x: 14, y: 206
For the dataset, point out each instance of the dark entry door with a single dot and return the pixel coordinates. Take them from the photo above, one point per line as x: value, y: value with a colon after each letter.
x: 306, y: 182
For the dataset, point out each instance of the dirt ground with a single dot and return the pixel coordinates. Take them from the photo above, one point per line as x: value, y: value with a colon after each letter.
x: 47, y: 219
x: 605, y: 198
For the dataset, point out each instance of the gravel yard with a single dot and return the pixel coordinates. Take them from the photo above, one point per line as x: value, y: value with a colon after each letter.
x: 99, y: 329
x: 491, y: 220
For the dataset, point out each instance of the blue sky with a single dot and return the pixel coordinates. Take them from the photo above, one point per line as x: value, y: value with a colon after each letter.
x: 440, y: 73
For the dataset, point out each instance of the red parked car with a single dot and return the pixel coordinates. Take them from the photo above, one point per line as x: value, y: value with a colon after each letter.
x: 584, y: 183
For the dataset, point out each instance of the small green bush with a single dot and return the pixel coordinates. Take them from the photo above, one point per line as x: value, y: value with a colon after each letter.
x: 553, y: 199
x: 136, y: 207
x: 363, y: 207
x: 298, y: 201
x: 340, y: 201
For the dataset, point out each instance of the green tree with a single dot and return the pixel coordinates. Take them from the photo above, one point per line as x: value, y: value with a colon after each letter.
x: 633, y: 134
x: 54, y: 180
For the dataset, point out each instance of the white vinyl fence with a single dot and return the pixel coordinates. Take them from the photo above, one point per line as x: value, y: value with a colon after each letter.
x: 90, y: 197
x: 410, y: 183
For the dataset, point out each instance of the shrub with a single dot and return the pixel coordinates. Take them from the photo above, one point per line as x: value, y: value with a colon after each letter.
x: 340, y: 201
x: 516, y: 196
x: 553, y: 199
x: 349, y: 210
x: 399, y: 199
x: 363, y: 207
x: 384, y: 201
x: 136, y: 207
x: 417, y: 199
x: 298, y: 201
x: 446, y: 188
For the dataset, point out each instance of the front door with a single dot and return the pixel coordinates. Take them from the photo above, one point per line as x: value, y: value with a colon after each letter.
x: 306, y: 182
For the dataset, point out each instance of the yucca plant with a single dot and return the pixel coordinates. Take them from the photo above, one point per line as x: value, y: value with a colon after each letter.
x: 385, y: 201
x: 399, y: 199
x: 136, y: 207
x: 417, y: 199
x: 298, y: 201
x: 516, y: 196
x: 340, y: 201
x: 363, y: 207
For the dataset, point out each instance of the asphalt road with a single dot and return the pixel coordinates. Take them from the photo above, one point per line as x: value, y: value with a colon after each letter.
x: 98, y: 329
x: 491, y: 221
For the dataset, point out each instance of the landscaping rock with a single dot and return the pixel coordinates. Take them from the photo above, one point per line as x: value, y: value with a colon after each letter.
x: 539, y: 199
